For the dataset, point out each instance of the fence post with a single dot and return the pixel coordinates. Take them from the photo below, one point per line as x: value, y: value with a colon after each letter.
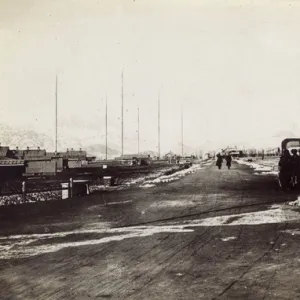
x: 24, y: 191
x: 71, y: 187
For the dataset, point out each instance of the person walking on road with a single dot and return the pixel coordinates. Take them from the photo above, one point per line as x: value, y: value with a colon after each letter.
x: 219, y: 161
x: 228, y: 161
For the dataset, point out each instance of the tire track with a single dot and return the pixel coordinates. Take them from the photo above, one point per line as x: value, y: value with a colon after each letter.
x: 201, y: 213
x: 207, y: 231
x: 170, y: 261
x: 228, y: 287
x: 195, y: 240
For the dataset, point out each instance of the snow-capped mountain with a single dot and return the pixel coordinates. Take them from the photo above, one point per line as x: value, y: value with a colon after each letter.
x: 23, y: 138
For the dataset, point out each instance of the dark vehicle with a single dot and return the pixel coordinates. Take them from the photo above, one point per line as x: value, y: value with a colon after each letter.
x: 289, y: 163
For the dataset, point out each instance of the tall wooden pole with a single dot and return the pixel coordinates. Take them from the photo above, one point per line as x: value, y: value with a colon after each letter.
x: 138, y: 130
x: 122, y: 116
x: 181, y: 131
x: 56, y: 114
x: 106, y: 127
x: 158, y: 125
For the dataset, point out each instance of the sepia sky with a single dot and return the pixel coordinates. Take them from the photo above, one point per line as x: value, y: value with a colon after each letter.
x: 233, y: 65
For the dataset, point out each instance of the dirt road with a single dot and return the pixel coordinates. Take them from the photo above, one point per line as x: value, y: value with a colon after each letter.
x: 214, y: 234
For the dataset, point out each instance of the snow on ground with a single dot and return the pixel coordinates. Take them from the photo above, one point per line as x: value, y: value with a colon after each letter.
x: 267, y: 173
x: 230, y: 238
x: 279, y: 215
x: 152, y: 176
x: 145, y: 181
x: 261, y: 167
x: 174, y: 203
x: 172, y: 177
x: 274, y: 206
x: 147, y: 185
x: 295, y: 203
x: 7, y: 200
x: 119, y: 202
x: 292, y: 231
x: 18, y: 246
x: 30, y: 198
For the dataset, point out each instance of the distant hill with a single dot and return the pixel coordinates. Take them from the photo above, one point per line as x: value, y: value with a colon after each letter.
x: 284, y: 134
x: 14, y: 137
x: 187, y: 150
x: 149, y: 152
x: 22, y: 138
x: 99, y: 150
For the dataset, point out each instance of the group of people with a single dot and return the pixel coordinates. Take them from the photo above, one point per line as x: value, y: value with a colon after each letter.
x: 289, y: 165
x: 219, y: 162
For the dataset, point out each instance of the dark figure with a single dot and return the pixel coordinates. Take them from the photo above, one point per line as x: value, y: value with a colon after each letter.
x: 286, y: 170
x: 219, y: 161
x: 228, y: 161
x: 295, y: 165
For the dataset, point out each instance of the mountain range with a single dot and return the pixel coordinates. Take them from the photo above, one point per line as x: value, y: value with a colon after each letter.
x: 23, y: 138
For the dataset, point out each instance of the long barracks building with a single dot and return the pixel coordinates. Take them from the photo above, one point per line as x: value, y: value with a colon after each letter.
x: 37, y: 161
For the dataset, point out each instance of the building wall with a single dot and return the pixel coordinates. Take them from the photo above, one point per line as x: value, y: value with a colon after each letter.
x: 3, y: 151
x: 75, y: 154
x: 59, y: 162
x: 34, y: 153
x: 42, y: 166
x: 74, y: 163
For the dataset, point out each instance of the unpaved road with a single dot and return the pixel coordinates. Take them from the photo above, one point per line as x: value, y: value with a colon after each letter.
x: 210, y: 235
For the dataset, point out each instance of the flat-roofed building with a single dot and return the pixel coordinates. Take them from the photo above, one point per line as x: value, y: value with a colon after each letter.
x: 41, y: 165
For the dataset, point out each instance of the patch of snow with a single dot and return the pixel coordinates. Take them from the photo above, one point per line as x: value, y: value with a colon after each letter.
x: 17, y: 249
x: 120, y: 202
x: 30, y: 198
x: 292, y: 231
x: 174, y: 176
x: 97, y: 188
x: 147, y: 185
x: 295, y: 203
x: 173, y: 203
x: 21, y: 245
x: 264, y: 168
x: 267, y: 173
x: 251, y: 218
x: 275, y: 206
x: 230, y: 238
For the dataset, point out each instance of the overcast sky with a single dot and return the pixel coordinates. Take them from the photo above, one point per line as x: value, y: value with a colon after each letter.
x: 234, y: 65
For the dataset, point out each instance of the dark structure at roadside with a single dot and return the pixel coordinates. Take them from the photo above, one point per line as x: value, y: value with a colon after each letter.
x: 18, y: 162
x: 234, y: 152
x: 134, y: 159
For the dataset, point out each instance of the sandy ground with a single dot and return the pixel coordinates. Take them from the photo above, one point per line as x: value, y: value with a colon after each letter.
x: 212, y: 234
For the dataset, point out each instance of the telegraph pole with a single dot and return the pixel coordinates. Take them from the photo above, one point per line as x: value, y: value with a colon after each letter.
x: 181, y: 131
x: 138, y: 110
x: 106, y: 128
x: 122, y: 115
x: 56, y: 114
x: 158, y: 118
